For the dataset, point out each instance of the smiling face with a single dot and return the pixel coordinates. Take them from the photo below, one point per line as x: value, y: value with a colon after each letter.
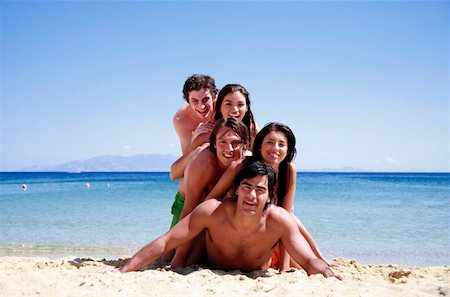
x: 274, y: 148
x: 234, y: 105
x: 229, y: 146
x: 202, y: 103
x: 253, y: 195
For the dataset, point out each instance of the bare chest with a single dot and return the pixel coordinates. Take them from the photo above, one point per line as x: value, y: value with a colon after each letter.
x: 230, y: 250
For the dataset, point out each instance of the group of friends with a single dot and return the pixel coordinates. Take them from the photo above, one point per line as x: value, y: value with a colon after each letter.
x: 235, y: 203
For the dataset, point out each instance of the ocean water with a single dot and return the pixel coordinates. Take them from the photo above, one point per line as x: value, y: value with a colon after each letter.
x: 371, y: 217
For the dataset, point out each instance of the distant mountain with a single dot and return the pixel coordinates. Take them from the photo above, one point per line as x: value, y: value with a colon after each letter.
x: 147, y: 162
x: 142, y: 162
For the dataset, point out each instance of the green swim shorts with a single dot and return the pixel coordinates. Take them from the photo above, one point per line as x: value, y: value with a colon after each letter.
x: 177, y: 207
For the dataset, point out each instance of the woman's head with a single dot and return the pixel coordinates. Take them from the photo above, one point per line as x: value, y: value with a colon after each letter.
x: 233, y: 100
x: 275, y: 144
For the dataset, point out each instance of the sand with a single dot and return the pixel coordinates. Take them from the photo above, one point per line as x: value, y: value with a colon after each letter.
x: 35, y: 276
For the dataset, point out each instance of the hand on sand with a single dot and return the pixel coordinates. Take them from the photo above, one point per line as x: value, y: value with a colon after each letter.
x: 331, y: 273
x: 291, y: 269
x: 331, y: 263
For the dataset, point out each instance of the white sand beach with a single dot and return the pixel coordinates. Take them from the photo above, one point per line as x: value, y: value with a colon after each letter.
x: 36, y: 276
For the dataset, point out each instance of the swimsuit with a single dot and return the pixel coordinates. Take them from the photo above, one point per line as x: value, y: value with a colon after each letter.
x: 275, y: 261
x: 177, y: 207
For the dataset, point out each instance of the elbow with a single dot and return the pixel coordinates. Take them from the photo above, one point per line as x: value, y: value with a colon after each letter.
x: 173, y: 173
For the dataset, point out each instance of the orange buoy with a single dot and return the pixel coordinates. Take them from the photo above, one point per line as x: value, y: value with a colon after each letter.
x: 24, y: 187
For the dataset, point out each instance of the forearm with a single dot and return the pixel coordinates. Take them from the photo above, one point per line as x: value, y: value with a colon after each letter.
x: 177, y: 168
x: 309, y: 239
x: 179, y: 259
x: 225, y: 182
x: 285, y: 259
x: 146, y: 255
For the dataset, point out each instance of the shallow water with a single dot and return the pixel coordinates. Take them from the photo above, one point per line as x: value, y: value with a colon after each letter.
x: 372, y: 217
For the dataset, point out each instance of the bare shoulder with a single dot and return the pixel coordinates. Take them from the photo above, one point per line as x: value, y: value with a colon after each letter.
x: 209, y: 208
x: 278, y: 216
x: 292, y: 167
x: 181, y: 114
x: 203, y: 159
x: 292, y: 173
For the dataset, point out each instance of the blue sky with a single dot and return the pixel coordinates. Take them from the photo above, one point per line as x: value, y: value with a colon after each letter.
x: 362, y: 84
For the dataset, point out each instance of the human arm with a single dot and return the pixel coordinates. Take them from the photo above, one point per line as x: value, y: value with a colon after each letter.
x: 191, y: 136
x: 225, y: 182
x: 191, y: 141
x: 183, y: 129
x: 198, y: 176
x: 201, y: 135
x: 184, y: 231
x: 288, y: 204
x: 178, y: 167
x: 300, y: 251
x: 311, y: 241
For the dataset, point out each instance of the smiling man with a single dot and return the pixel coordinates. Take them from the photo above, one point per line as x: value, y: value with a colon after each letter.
x: 228, y: 141
x: 200, y: 93
x: 240, y: 233
x: 193, y: 125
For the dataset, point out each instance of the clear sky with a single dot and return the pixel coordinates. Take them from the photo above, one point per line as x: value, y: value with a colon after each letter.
x: 362, y: 84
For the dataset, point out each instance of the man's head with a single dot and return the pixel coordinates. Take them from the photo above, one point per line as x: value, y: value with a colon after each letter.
x: 255, y: 185
x: 228, y: 140
x: 200, y: 93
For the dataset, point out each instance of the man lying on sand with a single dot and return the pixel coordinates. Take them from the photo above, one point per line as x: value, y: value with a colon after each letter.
x: 240, y: 233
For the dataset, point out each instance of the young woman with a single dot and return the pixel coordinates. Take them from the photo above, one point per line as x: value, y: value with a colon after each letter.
x: 233, y: 100
x: 275, y: 146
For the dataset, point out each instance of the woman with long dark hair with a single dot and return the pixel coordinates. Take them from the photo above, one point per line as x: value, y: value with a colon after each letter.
x: 233, y: 100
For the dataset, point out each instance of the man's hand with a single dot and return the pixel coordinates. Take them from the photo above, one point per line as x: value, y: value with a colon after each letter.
x: 202, y: 128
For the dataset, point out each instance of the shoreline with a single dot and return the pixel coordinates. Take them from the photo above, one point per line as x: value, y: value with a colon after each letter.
x: 57, y: 251
x: 27, y: 276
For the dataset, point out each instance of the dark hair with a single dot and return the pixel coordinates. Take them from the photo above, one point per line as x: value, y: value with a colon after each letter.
x: 234, y: 124
x: 251, y: 168
x: 291, y: 152
x: 248, y: 118
x: 197, y: 82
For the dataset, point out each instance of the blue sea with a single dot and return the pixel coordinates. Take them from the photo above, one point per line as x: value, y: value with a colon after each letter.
x: 371, y: 217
